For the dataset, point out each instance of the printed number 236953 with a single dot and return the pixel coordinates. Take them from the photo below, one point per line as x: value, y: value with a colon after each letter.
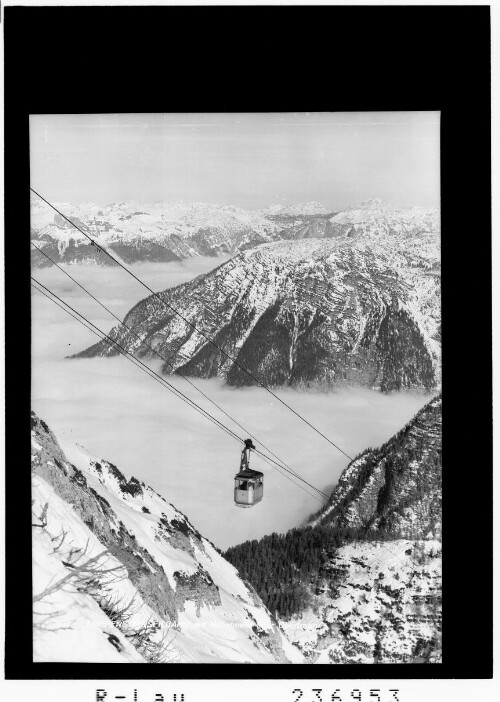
x: 338, y: 695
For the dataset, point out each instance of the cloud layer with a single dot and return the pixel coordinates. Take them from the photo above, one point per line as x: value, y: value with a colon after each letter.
x: 115, y: 411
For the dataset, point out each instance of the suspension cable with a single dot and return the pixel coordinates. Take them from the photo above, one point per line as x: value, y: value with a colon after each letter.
x: 107, y: 339
x: 189, y: 323
x: 284, y: 465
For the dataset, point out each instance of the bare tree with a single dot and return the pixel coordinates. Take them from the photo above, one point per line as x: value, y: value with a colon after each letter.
x: 42, y: 518
x: 95, y: 576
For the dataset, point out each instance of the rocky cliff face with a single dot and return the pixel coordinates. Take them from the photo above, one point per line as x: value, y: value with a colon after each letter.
x: 395, y: 489
x: 358, y: 311
x: 121, y: 575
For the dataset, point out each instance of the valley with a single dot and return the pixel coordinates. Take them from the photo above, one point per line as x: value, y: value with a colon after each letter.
x: 342, y: 320
x: 361, y: 583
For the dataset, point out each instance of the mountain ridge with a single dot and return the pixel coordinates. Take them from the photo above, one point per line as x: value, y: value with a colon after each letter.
x: 330, y: 311
x: 165, y: 232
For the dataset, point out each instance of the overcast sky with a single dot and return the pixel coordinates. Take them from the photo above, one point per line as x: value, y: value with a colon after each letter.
x: 247, y: 160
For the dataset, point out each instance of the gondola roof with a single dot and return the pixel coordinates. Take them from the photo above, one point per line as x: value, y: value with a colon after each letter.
x: 249, y: 473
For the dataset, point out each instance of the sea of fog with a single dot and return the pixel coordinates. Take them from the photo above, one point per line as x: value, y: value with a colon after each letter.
x: 117, y: 412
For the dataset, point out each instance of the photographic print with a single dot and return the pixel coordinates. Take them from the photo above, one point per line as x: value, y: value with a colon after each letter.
x: 236, y: 388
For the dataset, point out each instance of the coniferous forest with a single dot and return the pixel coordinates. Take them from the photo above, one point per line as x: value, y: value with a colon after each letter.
x: 283, y: 567
x: 286, y: 568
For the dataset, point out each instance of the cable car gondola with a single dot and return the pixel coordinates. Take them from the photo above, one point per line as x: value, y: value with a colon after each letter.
x: 248, y: 483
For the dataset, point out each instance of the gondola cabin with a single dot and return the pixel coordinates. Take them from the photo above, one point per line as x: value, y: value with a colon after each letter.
x: 248, y: 488
x: 248, y: 483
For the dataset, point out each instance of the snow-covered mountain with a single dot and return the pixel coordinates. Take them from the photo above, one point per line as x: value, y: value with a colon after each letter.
x: 375, y: 218
x: 364, y: 580
x: 304, y: 208
x: 361, y: 309
x: 395, y: 489
x: 376, y: 602
x: 379, y: 598
x: 120, y: 575
x: 136, y: 231
x: 147, y: 232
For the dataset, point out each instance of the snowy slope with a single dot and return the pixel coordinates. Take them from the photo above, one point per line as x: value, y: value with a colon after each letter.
x: 304, y: 208
x: 374, y: 219
x: 380, y: 602
x: 68, y: 623
x: 156, y: 591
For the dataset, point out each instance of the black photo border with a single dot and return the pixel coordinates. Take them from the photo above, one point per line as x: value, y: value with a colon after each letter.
x: 275, y: 59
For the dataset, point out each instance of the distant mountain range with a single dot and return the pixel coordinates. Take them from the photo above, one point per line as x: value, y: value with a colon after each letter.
x: 361, y: 583
x: 164, y: 232
x: 360, y: 306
